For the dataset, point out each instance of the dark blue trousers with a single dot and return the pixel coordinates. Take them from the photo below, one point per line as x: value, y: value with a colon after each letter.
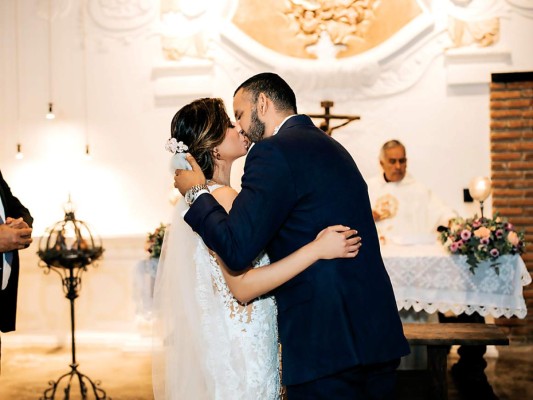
x: 368, y: 382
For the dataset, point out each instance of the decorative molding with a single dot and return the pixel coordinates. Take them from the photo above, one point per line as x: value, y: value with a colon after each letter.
x: 522, y: 7
x: 53, y: 9
x: 182, y: 81
x: 475, y: 52
x: 122, y: 16
x: 467, y: 66
x: 186, y: 30
x: 476, y: 10
x: 388, y: 69
x: 121, y: 21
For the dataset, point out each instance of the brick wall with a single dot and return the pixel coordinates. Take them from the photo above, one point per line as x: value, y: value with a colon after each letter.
x: 511, y: 136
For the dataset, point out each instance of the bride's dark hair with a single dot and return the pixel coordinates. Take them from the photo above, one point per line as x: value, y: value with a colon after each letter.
x: 201, y: 125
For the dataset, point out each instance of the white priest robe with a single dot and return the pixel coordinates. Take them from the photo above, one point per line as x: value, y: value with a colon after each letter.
x: 415, y: 211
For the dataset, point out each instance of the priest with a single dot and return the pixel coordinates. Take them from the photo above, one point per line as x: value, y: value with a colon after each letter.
x: 405, y: 210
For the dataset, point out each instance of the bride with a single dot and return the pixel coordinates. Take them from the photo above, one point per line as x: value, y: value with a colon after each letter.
x: 215, y: 332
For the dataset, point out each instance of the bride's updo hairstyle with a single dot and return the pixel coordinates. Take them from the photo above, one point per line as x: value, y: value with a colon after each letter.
x: 201, y: 125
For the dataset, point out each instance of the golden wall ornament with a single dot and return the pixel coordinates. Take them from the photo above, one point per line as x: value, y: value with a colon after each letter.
x: 343, y: 20
x: 293, y: 27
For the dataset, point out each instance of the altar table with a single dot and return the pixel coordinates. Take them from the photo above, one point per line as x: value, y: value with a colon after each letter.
x: 426, y: 277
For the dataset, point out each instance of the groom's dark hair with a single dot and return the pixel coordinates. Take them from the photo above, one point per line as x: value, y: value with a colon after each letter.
x: 274, y: 87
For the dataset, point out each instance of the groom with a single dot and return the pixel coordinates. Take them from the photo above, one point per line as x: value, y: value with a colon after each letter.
x: 338, y: 323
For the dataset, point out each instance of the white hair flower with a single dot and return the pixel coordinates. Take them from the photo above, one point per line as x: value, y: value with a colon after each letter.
x: 174, y: 146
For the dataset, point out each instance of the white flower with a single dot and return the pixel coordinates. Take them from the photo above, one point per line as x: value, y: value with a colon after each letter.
x: 174, y: 146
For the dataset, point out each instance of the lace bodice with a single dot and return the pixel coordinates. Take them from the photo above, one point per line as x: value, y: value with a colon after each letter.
x: 241, y: 339
x: 207, y: 346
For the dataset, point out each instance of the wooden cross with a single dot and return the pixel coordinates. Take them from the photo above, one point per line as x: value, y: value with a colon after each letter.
x: 327, y: 116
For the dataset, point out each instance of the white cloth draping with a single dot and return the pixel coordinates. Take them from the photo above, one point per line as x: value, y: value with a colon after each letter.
x: 427, y: 277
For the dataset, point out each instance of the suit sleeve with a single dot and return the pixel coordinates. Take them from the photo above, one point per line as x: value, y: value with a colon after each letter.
x: 267, y: 196
x: 13, y: 206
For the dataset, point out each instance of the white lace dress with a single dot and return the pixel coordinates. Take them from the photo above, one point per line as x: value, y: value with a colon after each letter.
x: 241, y: 339
x: 208, y: 346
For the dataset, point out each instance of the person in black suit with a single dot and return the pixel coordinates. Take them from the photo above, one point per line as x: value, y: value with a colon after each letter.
x: 15, y: 235
x: 338, y: 323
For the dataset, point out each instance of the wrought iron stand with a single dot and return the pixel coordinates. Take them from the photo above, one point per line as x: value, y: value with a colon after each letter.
x: 71, y: 286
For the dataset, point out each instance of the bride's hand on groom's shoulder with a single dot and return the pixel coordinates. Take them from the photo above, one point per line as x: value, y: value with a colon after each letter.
x: 337, y: 241
x: 185, y: 179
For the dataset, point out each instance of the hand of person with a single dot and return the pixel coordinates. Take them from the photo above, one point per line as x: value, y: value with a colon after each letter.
x: 17, y: 223
x: 184, y: 180
x: 14, y: 238
x: 337, y: 241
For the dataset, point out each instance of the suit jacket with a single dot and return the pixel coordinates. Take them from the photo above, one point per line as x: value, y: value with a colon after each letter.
x: 338, y: 313
x: 8, y: 297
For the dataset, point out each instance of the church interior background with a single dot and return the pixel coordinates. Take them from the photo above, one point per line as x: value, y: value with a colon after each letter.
x: 115, y: 73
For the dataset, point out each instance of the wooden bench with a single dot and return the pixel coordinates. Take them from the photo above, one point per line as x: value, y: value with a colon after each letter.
x: 439, y: 337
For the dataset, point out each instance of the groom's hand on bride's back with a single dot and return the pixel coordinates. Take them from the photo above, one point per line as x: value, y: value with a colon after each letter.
x: 184, y: 179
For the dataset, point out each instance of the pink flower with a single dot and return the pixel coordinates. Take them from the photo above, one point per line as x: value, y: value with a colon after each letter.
x: 482, y: 232
x: 484, y: 240
x: 454, y: 247
x: 499, y: 233
x: 466, y: 234
x: 512, y: 238
x: 494, y: 253
x: 476, y: 223
x: 509, y: 226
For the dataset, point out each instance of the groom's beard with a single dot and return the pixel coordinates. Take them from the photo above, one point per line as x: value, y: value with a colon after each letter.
x: 257, y: 128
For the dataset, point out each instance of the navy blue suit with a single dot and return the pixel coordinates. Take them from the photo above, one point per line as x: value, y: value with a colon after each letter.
x: 8, y: 297
x: 338, y: 313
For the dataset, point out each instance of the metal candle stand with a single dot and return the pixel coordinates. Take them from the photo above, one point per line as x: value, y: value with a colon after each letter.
x: 67, y: 250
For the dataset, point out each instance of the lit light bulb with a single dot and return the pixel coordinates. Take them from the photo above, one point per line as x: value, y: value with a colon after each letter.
x: 50, y: 114
x: 480, y: 188
x: 19, y: 155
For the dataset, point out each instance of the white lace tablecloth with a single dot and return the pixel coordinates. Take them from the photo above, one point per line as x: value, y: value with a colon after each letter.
x: 426, y: 277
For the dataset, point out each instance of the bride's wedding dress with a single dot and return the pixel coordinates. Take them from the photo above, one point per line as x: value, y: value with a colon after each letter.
x: 207, y: 345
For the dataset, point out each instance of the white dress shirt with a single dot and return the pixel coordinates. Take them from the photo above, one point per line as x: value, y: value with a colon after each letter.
x: 6, y: 271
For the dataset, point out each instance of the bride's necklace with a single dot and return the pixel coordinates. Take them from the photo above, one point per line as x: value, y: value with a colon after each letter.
x: 213, y: 182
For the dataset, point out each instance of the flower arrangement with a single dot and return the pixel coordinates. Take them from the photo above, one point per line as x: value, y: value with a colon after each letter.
x: 482, y: 239
x: 154, y: 241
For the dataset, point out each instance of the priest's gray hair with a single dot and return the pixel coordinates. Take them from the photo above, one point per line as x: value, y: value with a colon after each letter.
x: 389, y: 145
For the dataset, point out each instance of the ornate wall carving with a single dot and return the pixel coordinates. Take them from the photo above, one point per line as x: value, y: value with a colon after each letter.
x: 122, y: 21
x: 387, y: 68
x: 351, y: 26
x: 523, y: 7
x: 474, y: 29
x: 372, y: 47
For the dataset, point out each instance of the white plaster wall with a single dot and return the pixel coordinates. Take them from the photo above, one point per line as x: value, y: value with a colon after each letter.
x: 124, y: 189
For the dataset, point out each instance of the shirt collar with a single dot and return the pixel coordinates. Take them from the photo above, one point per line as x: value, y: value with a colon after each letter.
x: 277, y: 128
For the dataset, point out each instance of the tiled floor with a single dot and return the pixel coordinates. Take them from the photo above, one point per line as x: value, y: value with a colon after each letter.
x: 126, y: 375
